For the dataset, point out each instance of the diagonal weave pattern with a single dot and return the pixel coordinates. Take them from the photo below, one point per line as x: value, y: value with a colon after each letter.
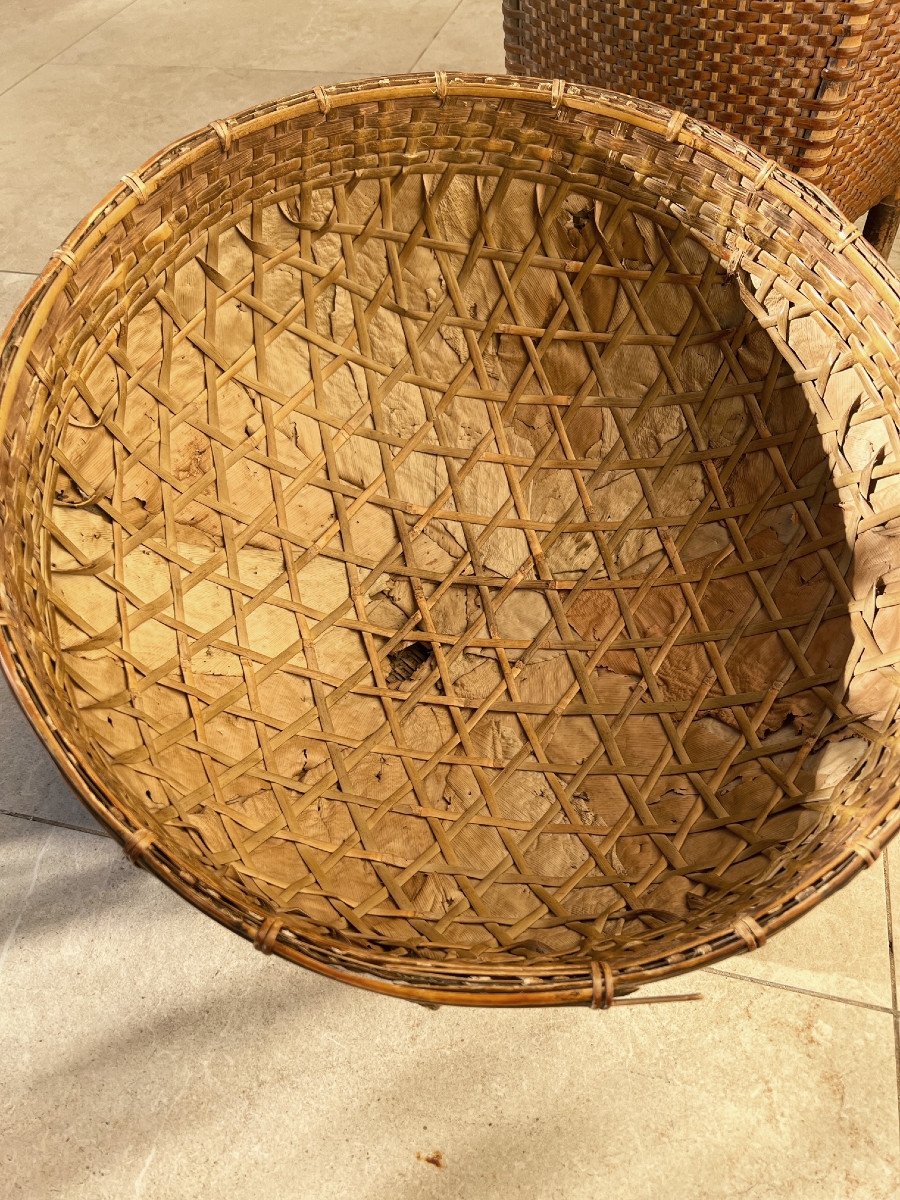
x: 442, y: 553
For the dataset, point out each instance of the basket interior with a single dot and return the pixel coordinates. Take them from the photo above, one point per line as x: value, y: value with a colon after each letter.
x: 445, y: 558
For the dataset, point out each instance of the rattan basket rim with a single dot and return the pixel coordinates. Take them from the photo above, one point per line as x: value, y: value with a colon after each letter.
x: 425, y: 982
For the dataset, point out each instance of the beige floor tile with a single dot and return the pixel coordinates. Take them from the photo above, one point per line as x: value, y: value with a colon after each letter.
x: 36, y: 30
x: 840, y: 948
x: 145, y: 1051
x: 70, y: 132
x: 472, y: 40
x: 32, y: 785
x: 315, y: 35
x: 12, y: 289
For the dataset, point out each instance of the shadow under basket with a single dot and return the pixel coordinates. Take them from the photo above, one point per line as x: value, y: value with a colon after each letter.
x: 450, y: 535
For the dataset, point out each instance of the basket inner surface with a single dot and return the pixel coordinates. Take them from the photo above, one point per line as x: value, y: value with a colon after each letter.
x: 450, y: 561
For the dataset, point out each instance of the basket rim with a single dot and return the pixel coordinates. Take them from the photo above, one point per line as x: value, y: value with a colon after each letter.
x: 466, y: 982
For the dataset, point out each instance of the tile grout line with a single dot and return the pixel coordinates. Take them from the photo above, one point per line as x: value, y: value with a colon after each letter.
x: 53, y: 61
x: 6, y: 812
x: 344, y: 75
x: 80, y: 38
x: 87, y: 33
x: 437, y: 34
x: 893, y: 964
x: 789, y: 987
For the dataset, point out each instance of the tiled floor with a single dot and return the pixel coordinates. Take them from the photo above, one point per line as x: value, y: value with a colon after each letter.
x: 146, y: 1052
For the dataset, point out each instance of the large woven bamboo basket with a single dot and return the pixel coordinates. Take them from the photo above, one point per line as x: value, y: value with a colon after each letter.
x: 450, y: 535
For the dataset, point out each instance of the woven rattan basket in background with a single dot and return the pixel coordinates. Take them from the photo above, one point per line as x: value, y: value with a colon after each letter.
x: 815, y: 85
x: 449, y: 535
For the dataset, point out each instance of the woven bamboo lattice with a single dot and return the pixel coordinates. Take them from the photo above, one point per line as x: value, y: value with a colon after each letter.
x: 449, y: 535
x: 815, y: 84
